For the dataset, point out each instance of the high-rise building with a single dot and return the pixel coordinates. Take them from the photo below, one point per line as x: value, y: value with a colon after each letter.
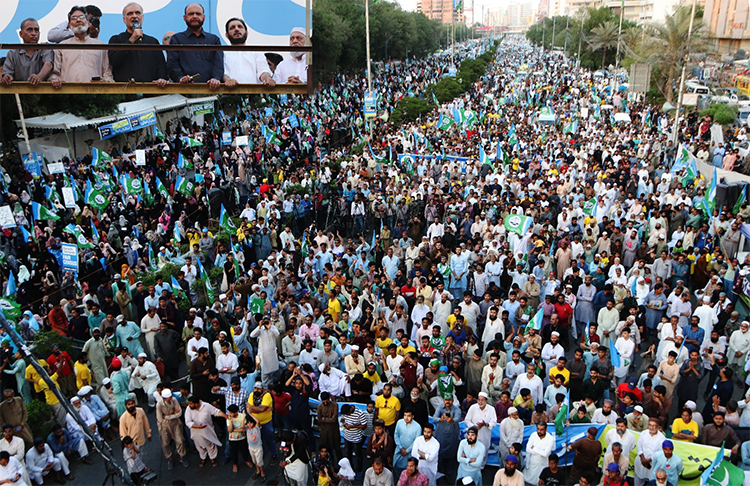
x: 727, y: 21
x: 441, y: 10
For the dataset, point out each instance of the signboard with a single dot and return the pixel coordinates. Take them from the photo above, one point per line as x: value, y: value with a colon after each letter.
x: 31, y: 162
x: 640, y: 78
x: 371, y: 104
x: 690, y: 99
x: 203, y: 108
x: 226, y: 138
x: 69, y: 197
x: 451, y: 72
x: 127, y: 125
x: 70, y: 256
x: 140, y: 157
x: 242, y: 140
x: 56, y: 168
x: 6, y: 218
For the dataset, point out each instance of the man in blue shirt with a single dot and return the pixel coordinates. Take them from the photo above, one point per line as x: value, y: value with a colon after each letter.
x: 694, y: 335
x: 183, y: 65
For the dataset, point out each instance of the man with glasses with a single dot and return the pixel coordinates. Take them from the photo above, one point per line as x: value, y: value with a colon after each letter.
x: 137, y: 66
x: 74, y: 66
x: 63, y: 31
x: 28, y: 65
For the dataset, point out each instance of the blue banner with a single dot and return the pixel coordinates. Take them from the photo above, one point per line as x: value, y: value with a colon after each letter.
x: 32, y: 163
x: 129, y: 124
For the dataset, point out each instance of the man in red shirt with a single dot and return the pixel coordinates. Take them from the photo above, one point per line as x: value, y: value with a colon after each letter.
x: 281, y: 406
x: 629, y: 387
x: 58, y: 321
x: 565, y: 313
x: 61, y: 363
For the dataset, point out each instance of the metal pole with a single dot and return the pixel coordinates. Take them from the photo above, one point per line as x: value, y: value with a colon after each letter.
x: 23, y: 123
x: 367, y: 34
x: 619, y: 33
x: 580, y: 41
x: 567, y: 23
x: 682, y: 77
x: 554, y: 26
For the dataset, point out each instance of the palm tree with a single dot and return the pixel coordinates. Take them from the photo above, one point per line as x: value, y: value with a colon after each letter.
x: 604, y: 36
x: 669, y: 45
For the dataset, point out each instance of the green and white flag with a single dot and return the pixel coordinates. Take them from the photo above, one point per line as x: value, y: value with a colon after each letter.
x: 99, y: 157
x: 191, y: 142
x: 207, y: 283
x: 518, y: 223
x: 161, y: 188
x: 444, y: 122
x: 225, y: 222
x: 184, y: 186
x: 589, y: 207
x: 471, y: 118
x: 95, y: 197
x: 726, y: 474
x: 132, y: 185
x: 535, y: 322
x: 740, y: 201
x: 256, y: 306
x: 562, y: 415
x: 81, y: 240
x: 152, y: 259
x: 158, y: 133
x: 11, y: 309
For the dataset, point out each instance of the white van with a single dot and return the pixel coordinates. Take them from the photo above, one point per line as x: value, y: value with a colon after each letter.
x: 693, y: 87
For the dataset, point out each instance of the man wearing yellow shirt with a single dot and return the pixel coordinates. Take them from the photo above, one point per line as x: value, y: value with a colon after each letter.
x: 334, y: 306
x: 405, y: 347
x: 560, y: 369
x: 685, y: 428
x: 386, y: 408
x: 82, y: 371
x: 260, y: 404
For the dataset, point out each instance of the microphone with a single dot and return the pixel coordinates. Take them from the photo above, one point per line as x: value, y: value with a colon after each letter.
x: 137, y: 26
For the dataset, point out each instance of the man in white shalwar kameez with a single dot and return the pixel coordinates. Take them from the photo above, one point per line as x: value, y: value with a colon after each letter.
x: 334, y: 381
x: 198, y: 420
x: 294, y: 69
x: 707, y: 315
x: 145, y: 376
x: 538, y: 449
x: 739, y: 345
x: 648, y: 443
x: 511, y: 431
x: 552, y: 351
x: 484, y: 418
x: 531, y: 381
x: 427, y: 449
x: 11, y: 470
x: 269, y: 356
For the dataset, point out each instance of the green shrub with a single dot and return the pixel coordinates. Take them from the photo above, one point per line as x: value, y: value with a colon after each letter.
x: 44, y: 340
x: 39, y: 418
x: 410, y: 108
x: 722, y: 114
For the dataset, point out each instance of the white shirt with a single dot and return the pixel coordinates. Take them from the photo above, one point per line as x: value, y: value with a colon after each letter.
x: 627, y: 440
x: 291, y: 67
x: 534, y: 384
x: 647, y: 445
x: 430, y: 449
x: 228, y: 361
x: 197, y: 344
x: 11, y: 470
x: 245, y: 67
x: 476, y: 415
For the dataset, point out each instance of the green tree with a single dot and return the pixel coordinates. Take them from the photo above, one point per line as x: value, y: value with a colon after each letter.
x: 604, y: 37
x: 668, y: 46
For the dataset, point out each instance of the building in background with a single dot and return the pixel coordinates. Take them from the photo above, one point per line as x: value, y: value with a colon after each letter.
x: 727, y: 21
x: 515, y: 15
x: 441, y: 10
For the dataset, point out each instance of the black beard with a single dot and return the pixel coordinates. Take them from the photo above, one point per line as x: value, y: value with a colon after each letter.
x: 510, y: 472
x: 714, y: 340
x: 238, y: 41
x: 470, y: 441
x: 605, y: 413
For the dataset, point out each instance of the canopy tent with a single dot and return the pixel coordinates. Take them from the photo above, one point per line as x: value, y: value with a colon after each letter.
x: 65, y: 121
x: 68, y: 134
x: 622, y: 117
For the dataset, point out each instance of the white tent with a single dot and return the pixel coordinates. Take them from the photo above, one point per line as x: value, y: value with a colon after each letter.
x: 64, y: 121
x: 622, y: 117
x: 68, y: 134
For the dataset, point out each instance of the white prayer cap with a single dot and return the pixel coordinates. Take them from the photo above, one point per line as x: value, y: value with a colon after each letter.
x: 555, y: 333
x: 483, y: 394
x: 85, y: 391
x: 300, y: 30
x: 322, y: 367
x: 707, y: 299
x: 106, y: 381
x: 355, y: 347
x: 142, y: 355
x: 691, y: 405
x: 512, y: 410
x: 75, y: 399
x: 166, y: 393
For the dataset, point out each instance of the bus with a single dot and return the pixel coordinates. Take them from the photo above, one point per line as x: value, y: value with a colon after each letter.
x: 742, y: 83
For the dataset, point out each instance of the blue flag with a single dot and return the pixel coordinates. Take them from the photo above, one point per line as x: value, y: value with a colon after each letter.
x: 94, y: 232
x: 10, y: 290
x: 615, y: 354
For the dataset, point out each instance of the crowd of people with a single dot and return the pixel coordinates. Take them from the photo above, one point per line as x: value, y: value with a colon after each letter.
x: 405, y: 288
x: 213, y: 67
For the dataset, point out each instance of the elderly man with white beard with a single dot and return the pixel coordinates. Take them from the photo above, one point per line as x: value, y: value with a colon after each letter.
x: 88, y: 418
x: 294, y: 69
x: 511, y: 432
x: 739, y: 345
x: 333, y: 381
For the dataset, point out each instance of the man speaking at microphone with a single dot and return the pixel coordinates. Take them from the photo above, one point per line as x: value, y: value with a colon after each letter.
x: 132, y: 65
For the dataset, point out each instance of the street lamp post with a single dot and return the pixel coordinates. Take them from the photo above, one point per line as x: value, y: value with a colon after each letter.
x: 367, y: 34
x: 682, y: 77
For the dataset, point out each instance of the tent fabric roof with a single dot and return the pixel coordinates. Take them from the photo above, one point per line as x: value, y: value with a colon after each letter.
x: 63, y: 121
